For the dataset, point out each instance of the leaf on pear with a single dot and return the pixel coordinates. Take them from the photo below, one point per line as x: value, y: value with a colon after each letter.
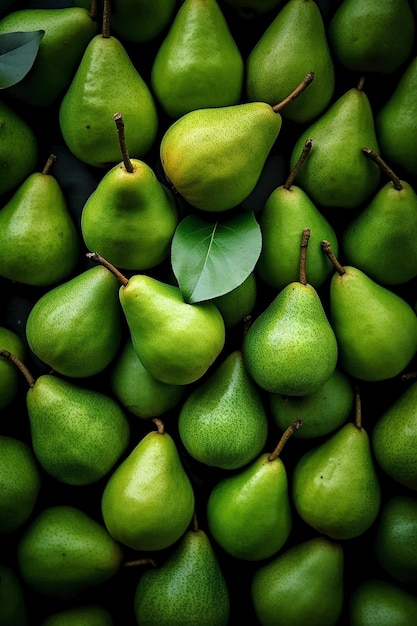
x: 18, y: 52
x: 209, y: 259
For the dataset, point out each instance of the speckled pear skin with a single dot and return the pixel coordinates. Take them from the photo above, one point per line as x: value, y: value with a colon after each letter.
x: 379, y: 602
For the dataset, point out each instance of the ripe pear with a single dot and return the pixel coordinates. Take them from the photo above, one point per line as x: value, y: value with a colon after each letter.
x: 304, y: 580
x: 141, y: 21
x: 337, y: 174
x: 106, y: 82
x: 20, y: 483
x: 18, y: 148
x: 238, y: 303
x: 368, y: 36
x: 376, y: 328
x: 287, y: 210
x: 76, y: 326
x: 9, y: 376
x: 148, y: 500
x: 39, y: 241
x: 377, y: 602
x: 130, y: 216
x: 187, y: 588
x: 198, y: 64
x: 335, y: 485
x: 85, y: 615
x: 64, y: 552
x: 67, y: 32
x: 293, y: 43
x: 249, y: 512
x: 290, y: 348
x: 379, y: 239
x: 195, y: 151
x: 13, y: 604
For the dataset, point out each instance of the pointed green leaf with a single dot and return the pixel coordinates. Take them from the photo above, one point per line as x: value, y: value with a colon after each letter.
x: 210, y: 259
x: 18, y: 52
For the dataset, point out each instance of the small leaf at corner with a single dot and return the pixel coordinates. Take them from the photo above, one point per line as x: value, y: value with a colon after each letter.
x: 18, y: 52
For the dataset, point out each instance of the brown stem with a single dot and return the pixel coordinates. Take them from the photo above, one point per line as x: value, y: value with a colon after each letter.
x: 409, y: 376
x: 47, y: 167
x: 306, y: 149
x: 308, y: 78
x: 160, y: 425
x: 303, y: 256
x: 120, y: 127
x: 384, y: 167
x: 358, y: 408
x: 285, y: 436
x: 327, y: 249
x: 361, y: 83
x: 105, y: 28
x: 195, y: 526
x: 93, y: 10
x: 95, y: 256
x: 140, y: 562
x: 22, y: 367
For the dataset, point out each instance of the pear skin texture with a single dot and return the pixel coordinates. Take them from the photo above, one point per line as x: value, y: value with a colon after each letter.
x: 78, y: 434
x: 383, y: 338
x: 335, y: 487
x: 13, y: 607
x: 294, y: 43
x: 249, y: 513
x: 223, y: 422
x: 10, y: 377
x: 195, y: 153
x: 177, y: 342
x: 236, y: 304
x: 61, y: 328
x: 67, y: 33
x: 198, y: 64
x: 290, y: 348
x: 393, y: 438
x: 39, y: 242
x: 379, y: 240
x: 90, y: 614
x: 377, y: 602
x: 141, y: 21
x: 395, y: 121
x: 283, y: 217
x: 130, y: 218
x: 314, y: 566
x: 64, y: 552
x: 20, y: 483
x: 187, y: 588
x: 337, y: 173
x: 148, y: 501
x: 107, y: 82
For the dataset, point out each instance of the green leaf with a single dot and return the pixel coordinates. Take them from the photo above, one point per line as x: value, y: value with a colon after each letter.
x: 210, y: 259
x: 18, y: 52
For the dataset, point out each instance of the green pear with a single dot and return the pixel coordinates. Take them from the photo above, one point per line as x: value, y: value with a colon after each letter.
x: 198, y: 64
x: 321, y: 412
x: 195, y: 151
x: 293, y: 43
x: 130, y: 216
x: 377, y: 602
x: 304, y: 580
x: 394, y: 122
x: 65, y: 552
x: 141, y: 21
x: 139, y: 392
x: 106, y: 81
x: 335, y: 485
x: 393, y: 435
x: 20, y: 483
x: 249, y: 512
x: 337, y: 174
x: 368, y: 36
x: 148, y: 501
x: 76, y: 326
x: 187, y: 588
x: 395, y: 537
x: 379, y: 240
x: 13, y: 605
x: 290, y: 348
x: 287, y: 210
x: 85, y: 615
x: 67, y: 32
x: 376, y: 328
x: 223, y: 421
x: 18, y: 148
x: 9, y: 376
x: 240, y: 302
x: 39, y: 241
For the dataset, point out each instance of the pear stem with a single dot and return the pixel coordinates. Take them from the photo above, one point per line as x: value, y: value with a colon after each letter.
x: 285, y: 436
x: 93, y: 9
x: 358, y: 408
x: 195, y: 523
x: 409, y: 376
x: 95, y: 256
x: 306, y: 149
x: 120, y: 127
x: 139, y: 562
x: 47, y: 167
x: 308, y: 78
x: 361, y: 83
x: 303, y: 256
x: 105, y: 28
x: 327, y: 249
x: 384, y: 167
x: 22, y: 367
x: 160, y: 425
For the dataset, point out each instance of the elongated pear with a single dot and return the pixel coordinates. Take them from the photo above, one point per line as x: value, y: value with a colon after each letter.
x: 9, y: 376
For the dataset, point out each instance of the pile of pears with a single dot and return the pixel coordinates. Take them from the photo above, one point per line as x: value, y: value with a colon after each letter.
x: 208, y: 318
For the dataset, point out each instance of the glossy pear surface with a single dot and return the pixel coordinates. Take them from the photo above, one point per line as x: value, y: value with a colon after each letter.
x: 378, y: 602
